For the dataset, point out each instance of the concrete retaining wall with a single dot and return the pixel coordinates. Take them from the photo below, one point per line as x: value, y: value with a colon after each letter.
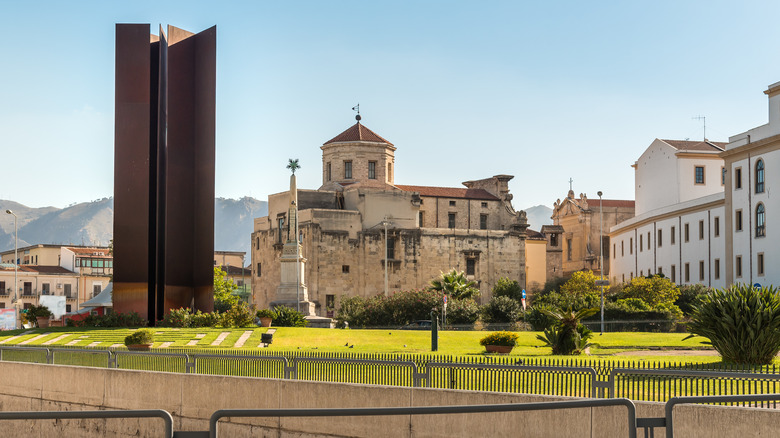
x: 191, y: 399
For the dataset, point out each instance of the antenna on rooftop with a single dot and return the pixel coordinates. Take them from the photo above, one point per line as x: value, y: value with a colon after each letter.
x: 704, y: 122
x: 357, y: 108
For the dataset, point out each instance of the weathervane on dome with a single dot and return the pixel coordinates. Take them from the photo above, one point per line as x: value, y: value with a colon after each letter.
x: 357, y: 108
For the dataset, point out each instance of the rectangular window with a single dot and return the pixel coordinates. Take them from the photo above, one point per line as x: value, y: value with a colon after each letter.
x: 614, y: 253
x: 422, y: 216
x: 259, y: 270
x: 674, y: 273
x: 687, y: 232
x: 699, y: 174
x: 452, y: 203
x: 328, y: 172
x: 701, y: 270
x: 660, y: 238
x: 553, y: 240
x: 738, y: 266
x: 348, y: 170
x: 660, y: 271
x: 716, y: 226
x: 484, y: 205
x: 738, y: 220
x: 641, y: 243
x: 372, y: 170
x: 701, y: 230
x: 631, y: 245
x: 648, y: 241
x: 568, y: 249
x: 67, y: 290
x: 622, y: 249
x: 451, y: 220
x: 2, y: 288
x: 471, y: 267
x: 390, y: 248
x: 716, y: 269
x: 722, y: 175
x: 673, y: 236
x: 483, y: 221
x: 45, y: 289
x: 280, y: 230
x: 687, y: 272
x: 96, y: 288
x: 760, y: 264
x: 345, y: 269
x: 68, y: 308
x: 738, y: 178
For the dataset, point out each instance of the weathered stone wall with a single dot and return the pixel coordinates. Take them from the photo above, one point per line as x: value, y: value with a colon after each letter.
x: 342, y: 264
x: 467, y: 213
x: 359, y: 153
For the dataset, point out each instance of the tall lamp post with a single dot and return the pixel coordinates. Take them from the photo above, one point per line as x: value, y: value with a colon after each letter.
x: 385, y: 223
x: 16, y: 257
x: 601, y: 257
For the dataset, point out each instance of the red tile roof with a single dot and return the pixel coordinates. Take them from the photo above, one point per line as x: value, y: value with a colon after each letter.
x: 45, y: 269
x: 685, y: 145
x: 358, y: 132
x: 89, y: 251
x: 450, y: 192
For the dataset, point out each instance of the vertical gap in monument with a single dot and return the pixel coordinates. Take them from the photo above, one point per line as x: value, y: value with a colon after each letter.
x: 162, y: 160
x: 154, y: 164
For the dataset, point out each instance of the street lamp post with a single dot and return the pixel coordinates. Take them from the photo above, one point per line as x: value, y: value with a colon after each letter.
x: 16, y: 258
x: 601, y: 257
x: 386, y: 222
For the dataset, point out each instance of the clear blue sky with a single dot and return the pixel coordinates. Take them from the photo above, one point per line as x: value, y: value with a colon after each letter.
x: 544, y: 91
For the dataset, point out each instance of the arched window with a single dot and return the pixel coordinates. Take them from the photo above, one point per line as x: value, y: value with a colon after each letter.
x: 760, y: 221
x: 760, y: 176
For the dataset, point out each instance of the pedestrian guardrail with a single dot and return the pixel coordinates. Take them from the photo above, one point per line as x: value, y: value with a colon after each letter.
x: 572, y: 380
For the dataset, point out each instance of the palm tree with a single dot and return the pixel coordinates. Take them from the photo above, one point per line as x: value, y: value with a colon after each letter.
x: 567, y: 336
x: 455, y: 284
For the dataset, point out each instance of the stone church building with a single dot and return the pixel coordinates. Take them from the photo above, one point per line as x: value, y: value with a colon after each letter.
x: 342, y: 228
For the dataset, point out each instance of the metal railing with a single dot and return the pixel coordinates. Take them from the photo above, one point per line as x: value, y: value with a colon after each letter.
x: 69, y: 415
x: 570, y: 379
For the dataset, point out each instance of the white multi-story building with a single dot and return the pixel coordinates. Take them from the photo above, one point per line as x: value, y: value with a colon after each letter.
x: 752, y: 160
x: 679, y: 227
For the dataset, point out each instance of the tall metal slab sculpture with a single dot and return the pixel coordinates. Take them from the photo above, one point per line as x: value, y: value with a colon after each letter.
x: 164, y: 170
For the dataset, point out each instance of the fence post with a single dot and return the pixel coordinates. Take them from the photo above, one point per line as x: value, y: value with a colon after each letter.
x: 112, y: 359
x: 189, y: 366
x: 49, y: 356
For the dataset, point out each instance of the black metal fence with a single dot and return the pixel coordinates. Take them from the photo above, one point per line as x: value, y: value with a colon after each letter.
x: 575, y: 377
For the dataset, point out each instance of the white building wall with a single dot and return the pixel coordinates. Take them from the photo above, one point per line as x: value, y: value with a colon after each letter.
x: 673, y: 252
x: 652, y: 192
x: 687, y: 187
x: 741, y: 238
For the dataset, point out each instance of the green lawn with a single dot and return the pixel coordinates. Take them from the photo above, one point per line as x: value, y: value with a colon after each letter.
x: 454, y: 343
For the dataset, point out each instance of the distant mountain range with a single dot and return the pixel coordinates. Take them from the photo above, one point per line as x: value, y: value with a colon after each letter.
x: 91, y: 223
x: 538, y: 216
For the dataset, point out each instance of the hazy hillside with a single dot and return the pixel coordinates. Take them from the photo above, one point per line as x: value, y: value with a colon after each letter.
x: 91, y: 223
x: 538, y: 216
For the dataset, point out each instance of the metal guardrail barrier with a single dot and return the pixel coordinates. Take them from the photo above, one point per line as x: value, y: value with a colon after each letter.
x: 427, y: 410
x: 66, y: 415
x: 568, y: 379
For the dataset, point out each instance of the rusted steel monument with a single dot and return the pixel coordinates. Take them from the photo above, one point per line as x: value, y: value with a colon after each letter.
x: 164, y: 170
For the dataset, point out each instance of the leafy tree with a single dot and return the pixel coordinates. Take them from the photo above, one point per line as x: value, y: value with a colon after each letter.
x: 581, y: 284
x: 690, y: 295
x: 501, y: 310
x: 224, y: 298
x: 456, y: 285
x: 742, y: 323
x: 654, y: 291
x: 508, y: 288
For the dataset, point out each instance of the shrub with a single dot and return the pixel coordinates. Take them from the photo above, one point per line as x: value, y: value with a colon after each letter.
x: 501, y: 310
x: 581, y: 284
x: 239, y: 315
x: 742, y: 323
x: 508, y: 288
x: 289, y: 317
x: 538, y: 319
x: 114, y: 319
x: 200, y: 319
x: 653, y: 290
x: 403, y: 307
x: 37, y: 312
x: 177, y: 318
x: 266, y: 313
x: 690, y: 295
x: 508, y: 339
x: 462, y: 312
x: 139, y: 337
x: 564, y: 301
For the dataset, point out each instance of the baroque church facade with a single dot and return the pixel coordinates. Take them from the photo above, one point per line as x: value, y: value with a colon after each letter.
x: 363, y: 235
